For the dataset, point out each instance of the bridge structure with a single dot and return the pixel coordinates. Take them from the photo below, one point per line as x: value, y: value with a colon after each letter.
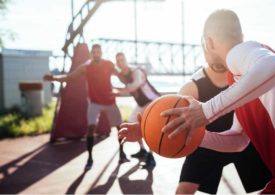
x: 159, y: 58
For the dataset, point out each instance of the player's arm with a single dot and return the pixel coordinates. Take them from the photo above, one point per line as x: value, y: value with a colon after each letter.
x: 118, y: 90
x: 233, y: 140
x: 114, y: 70
x: 131, y: 132
x: 138, y: 80
x: 256, y: 81
x: 189, y: 89
x: 67, y: 77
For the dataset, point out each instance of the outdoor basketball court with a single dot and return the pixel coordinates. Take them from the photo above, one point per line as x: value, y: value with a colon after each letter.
x: 32, y: 165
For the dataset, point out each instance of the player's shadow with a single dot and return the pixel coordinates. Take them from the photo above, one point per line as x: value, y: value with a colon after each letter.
x: 33, y: 166
x: 73, y: 187
x: 103, y: 189
x: 138, y: 186
x: 127, y: 186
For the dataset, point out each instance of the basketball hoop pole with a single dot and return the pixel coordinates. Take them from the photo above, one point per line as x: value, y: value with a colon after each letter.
x: 182, y: 36
x: 72, y: 9
x: 136, y: 31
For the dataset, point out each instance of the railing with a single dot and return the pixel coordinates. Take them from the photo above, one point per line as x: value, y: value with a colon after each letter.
x: 159, y: 58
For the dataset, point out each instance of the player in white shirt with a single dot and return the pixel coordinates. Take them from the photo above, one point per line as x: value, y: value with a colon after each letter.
x: 137, y: 84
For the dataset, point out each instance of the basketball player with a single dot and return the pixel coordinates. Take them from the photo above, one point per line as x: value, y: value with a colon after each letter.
x: 251, y: 68
x: 143, y: 92
x: 98, y: 75
x: 202, y: 169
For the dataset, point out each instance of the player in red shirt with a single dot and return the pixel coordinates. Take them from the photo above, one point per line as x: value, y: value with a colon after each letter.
x: 98, y: 74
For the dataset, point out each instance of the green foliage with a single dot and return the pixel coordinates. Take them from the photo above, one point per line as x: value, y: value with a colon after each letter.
x: 14, y: 124
x: 125, y: 112
x: 4, y: 33
x: 3, y: 4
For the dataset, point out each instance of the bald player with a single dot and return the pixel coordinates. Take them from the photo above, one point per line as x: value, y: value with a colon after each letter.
x: 251, y: 75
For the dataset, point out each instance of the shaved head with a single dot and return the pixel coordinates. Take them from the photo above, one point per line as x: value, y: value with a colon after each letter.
x: 223, y: 25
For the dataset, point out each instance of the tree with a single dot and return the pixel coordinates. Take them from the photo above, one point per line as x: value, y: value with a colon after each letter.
x: 3, y: 4
x: 4, y: 33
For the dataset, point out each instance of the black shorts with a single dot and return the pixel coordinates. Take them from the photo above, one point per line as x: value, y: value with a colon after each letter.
x: 204, y: 167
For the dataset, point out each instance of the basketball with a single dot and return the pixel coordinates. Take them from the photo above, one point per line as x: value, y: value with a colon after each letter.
x: 152, y: 124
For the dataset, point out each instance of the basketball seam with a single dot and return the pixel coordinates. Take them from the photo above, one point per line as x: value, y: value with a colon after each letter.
x: 168, y: 119
x: 146, y: 120
x: 179, y: 150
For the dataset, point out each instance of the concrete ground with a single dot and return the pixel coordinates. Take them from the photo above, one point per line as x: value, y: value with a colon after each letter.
x: 33, y: 165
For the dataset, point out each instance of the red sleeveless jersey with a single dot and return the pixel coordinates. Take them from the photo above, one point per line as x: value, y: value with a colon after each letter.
x: 257, y: 124
x: 99, y: 82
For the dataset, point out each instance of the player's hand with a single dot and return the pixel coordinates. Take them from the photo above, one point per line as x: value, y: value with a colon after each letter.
x: 115, y: 92
x: 188, y: 119
x: 122, y: 91
x: 48, y: 77
x: 130, y: 132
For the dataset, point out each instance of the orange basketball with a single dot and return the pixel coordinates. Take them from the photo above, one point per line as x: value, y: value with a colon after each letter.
x: 152, y: 123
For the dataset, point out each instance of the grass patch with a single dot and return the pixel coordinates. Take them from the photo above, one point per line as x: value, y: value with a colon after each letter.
x: 14, y: 124
x: 125, y: 112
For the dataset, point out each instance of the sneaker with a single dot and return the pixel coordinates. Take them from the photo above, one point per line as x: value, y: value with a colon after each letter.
x: 150, y: 162
x: 123, y: 158
x: 89, y: 164
x: 142, y: 153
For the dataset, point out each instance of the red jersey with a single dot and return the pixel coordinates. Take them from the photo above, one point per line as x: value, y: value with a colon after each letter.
x: 258, y: 125
x: 99, y: 82
x: 252, y: 70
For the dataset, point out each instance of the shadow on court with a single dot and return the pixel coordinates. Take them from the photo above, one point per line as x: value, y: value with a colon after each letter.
x: 73, y: 187
x: 127, y: 186
x: 33, y: 166
x: 137, y: 186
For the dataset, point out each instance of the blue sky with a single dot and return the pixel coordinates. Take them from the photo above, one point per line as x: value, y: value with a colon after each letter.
x: 43, y: 24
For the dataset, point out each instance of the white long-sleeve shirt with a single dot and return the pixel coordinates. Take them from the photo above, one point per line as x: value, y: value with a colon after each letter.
x: 253, y: 67
x: 233, y: 140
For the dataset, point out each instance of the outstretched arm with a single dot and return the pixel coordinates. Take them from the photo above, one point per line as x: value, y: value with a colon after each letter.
x: 67, y: 77
x: 138, y: 80
x: 250, y: 86
x: 130, y: 132
x: 233, y: 140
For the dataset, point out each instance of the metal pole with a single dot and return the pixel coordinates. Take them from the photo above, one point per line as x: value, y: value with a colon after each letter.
x: 72, y: 8
x: 182, y: 37
x: 136, y: 31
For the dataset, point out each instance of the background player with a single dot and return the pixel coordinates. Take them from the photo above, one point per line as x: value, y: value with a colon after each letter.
x: 98, y: 75
x: 137, y: 84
